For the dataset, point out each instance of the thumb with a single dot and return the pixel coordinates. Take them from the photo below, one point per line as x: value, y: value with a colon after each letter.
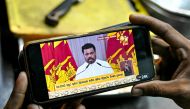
x: 167, y: 89
x: 17, y: 97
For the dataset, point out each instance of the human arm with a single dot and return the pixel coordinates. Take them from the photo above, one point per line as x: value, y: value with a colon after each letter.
x: 174, y: 70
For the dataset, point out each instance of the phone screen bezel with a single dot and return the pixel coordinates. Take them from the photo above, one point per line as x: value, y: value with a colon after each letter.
x: 36, y: 73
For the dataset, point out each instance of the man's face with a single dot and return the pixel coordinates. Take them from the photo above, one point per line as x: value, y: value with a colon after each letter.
x: 89, y: 55
x: 126, y: 64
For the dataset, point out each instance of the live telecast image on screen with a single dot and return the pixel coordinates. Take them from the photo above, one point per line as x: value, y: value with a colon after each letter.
x: 89, y: 63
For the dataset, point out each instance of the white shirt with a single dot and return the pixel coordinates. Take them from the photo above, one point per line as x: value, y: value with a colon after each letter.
x: 99, y: 67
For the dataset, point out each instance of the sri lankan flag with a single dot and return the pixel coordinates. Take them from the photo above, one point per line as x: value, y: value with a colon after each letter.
x: 59, y: 64
x: 120, y: 47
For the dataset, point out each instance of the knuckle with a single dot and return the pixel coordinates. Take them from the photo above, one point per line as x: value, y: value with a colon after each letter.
x: 167, y: 28
x: 154, y: 90
x: 158, y: 91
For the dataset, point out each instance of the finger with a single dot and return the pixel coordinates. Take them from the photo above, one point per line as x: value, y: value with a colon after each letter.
x: 17, y: 97
x: 81, y: 107
x: 182, y: 55
x: 160, y: 47
x: 72, y: 104
x: 63, y: 106
x: 34, y: 106
x: 168, y: 89
x: 164, y: 30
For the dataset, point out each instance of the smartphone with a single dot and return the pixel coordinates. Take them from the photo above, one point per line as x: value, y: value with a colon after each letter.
x: 68, y: 67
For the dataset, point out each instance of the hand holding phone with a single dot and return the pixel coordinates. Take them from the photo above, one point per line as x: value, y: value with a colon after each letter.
x: 74, y: 66
x: 174, y: 69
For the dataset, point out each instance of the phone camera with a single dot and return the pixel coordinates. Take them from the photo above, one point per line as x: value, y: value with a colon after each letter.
x: 139, y: 76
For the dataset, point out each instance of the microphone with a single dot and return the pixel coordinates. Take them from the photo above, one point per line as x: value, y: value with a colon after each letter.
x: 102, y: 65
x: 84, y: 69
x: 80, y: 72
x: 105, y: 66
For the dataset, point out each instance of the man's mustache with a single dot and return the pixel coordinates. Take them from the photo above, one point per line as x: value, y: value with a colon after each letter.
x: 91, y: 58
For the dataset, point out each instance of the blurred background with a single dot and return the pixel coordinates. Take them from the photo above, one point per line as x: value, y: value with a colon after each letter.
x: 25, y: 20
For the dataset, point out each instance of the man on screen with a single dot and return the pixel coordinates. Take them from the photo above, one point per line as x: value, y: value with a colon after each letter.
x: 92, y: 67
x: 127, y: 69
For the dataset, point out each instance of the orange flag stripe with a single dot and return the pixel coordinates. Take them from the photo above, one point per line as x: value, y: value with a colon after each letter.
x: 57, y: 43
x: 131, y: 47
x: 115, y: 54
x: 48, y: 64
x: 65, y: 61
x: 42, y: 45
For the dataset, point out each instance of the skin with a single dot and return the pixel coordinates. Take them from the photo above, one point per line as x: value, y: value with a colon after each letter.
x: 18, y: 94
x: 174, y: 69
x: 89, y: 55
x: 17, y: 97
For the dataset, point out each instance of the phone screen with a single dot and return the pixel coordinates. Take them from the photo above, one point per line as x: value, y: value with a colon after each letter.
x: 100, y: 61
x: 90, y: 63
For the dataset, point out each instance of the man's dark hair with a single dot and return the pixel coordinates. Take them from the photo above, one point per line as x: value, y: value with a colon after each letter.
x: 87, y: 46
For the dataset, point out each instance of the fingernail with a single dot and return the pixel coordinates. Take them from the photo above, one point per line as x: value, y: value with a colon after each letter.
x: 137, y: 92
x: 21, y: 83
x: 81, y: 107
